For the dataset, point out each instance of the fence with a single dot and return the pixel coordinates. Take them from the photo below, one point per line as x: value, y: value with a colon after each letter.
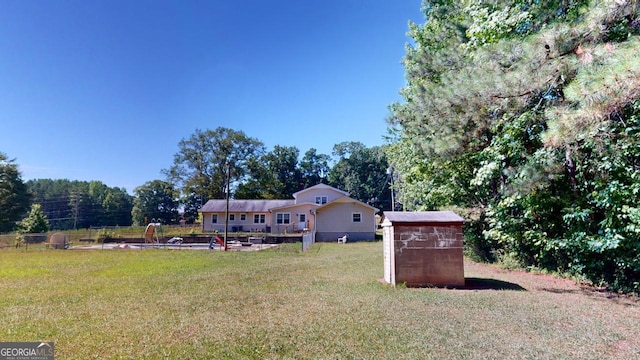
x: 75, y: 237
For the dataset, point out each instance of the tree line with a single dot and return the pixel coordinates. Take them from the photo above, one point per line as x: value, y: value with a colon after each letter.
x: 81, y: 204
x: 211, y: 162
x: 201, y: 169
x: 525, y: 115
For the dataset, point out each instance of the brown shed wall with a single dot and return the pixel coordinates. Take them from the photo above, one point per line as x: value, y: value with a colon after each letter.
x: 429, y: 254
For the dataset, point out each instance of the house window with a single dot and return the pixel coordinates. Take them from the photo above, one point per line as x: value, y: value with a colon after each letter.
x: 356, y: 217
x: 259, y: 219
x: 214, y: 218
x: 243, y: 217
x: 232, y: 217
x: 321, y: 200
x: 302, y: 217
x: 283, y: 218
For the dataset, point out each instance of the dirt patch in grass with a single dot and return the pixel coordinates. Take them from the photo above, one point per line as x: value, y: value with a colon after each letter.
x: 572, y: 311
x: 537, y: 282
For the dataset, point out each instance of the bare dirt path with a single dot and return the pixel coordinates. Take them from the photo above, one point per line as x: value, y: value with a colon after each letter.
x: 537, y: 282
x: 609, y: 319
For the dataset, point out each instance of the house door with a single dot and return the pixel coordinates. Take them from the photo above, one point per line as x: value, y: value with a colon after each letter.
x: 302, y: 221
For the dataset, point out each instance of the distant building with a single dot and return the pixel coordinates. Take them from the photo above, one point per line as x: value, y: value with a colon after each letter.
x: 325, y: 211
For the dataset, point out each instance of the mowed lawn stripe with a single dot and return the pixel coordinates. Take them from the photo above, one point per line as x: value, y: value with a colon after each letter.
x: 283, y: 303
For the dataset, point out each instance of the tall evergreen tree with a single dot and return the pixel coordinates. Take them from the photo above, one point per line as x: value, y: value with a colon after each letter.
x: 14, y: 196
x: 521, y: 112
x: 36, y: 222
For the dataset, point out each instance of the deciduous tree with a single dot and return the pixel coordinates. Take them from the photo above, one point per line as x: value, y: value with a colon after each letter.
x: 200, y: 167
x: 275, y: 175
x: 155, y: 201
x: 362, y: 172
x: 314, y: 167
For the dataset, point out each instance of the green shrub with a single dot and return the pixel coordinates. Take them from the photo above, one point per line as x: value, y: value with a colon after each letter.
x: 105, y: 234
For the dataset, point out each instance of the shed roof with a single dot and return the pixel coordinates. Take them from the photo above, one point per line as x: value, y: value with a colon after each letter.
x: 245, y: 206
x: 422, y: 216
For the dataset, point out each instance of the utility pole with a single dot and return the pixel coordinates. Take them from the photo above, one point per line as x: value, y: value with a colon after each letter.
x: 226, y: 214
x: 75, y: 199
x: 393, y: 200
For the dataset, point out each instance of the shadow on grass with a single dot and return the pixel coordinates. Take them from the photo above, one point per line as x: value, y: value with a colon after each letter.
x: 598, y: 294
x: 490, y: 284
x: 474, y: 284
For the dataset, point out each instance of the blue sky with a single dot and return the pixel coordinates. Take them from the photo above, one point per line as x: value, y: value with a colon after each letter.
x: 105, y: 89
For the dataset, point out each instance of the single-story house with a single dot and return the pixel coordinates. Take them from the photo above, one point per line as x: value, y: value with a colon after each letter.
x: 325, y: 211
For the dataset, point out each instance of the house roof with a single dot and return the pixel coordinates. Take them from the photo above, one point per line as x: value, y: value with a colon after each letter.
x: 422, y: 216
x: 245, y: 206
x: 320, y: 186
x: 346, y: 199
x: 295, y: 205
x: 257, y: 206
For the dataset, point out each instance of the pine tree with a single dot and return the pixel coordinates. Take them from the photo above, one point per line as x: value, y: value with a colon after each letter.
x: 35, y: 223
x: 525, y: 114
x: 14, y: 197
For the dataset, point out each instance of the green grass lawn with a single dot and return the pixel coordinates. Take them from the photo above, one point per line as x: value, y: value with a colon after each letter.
x: 282, y: 303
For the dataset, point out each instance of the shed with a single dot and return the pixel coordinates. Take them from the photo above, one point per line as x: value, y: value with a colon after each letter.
x: 423, y: 248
